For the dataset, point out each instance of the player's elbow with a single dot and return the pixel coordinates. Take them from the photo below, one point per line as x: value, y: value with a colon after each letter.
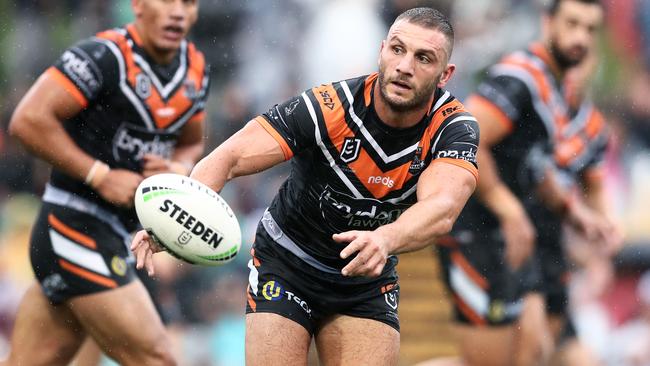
x: 445, y: 225
x: 19, y: 125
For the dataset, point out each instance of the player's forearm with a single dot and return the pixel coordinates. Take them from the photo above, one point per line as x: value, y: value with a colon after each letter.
x: 187, y: 155
x: 421, y: 224
x: 42, y: 134
x: 594, y: 194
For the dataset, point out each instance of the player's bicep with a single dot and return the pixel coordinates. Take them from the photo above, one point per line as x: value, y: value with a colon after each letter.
x: 46, y: 99
x: 452, y: 183
x: 457, y: 143
x: 253, y: 149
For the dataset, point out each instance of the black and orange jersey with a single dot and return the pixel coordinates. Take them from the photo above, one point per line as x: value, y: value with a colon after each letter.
x: 524, y: 91
x: 131, y: 105
x: 581, y: 145
x: 351, y: 171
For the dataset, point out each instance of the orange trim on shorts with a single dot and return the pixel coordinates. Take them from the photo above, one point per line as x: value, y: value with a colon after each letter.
x: 251, y: 302
x: 459, y: 259
x: 460, y: 163
x: 68, y: 85
x: 478, y: 100
x: 468, y: 312
x: 256, y: 262
x: 71, y: 233
x: 90, y: 276
x: 286, y: 150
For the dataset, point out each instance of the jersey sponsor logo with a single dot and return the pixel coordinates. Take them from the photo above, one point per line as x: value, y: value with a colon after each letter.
x: 417, y: 164
x: 143, y: 86
x: 467, y: 155
x: 386, y: 181
x: 132, y: 142
x: 328, y: 101
x: 350, y: 149
x: 449, y: 110
x: 343, y: 212
x: 80, y: 71
x: 288, y: 110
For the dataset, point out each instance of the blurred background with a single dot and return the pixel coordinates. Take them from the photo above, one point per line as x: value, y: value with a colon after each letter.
x: 265, y: 51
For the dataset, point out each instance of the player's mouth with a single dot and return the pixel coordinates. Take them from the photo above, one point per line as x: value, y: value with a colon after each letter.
x: 401, y: 85
x: 173, y: 32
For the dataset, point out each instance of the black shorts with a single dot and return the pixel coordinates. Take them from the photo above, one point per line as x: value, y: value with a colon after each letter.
x: 554, y: 275
x: 484, y: 290
x: 74, y: 254
x: 282, y: 283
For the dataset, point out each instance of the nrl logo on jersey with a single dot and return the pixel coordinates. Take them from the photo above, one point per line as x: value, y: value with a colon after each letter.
x: 350, y: 149
x: 417, y: 164
x: 143, y: 86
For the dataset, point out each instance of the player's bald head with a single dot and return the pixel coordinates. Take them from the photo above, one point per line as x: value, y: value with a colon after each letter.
x: 431, y: 19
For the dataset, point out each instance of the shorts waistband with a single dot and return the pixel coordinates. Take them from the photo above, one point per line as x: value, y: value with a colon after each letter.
x: 276, y: 233
x: 70, y: 200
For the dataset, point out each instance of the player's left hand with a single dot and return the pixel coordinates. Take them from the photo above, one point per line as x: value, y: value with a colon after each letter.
x: 144, y: 247
x: 156, y: 164
x: 372, y: 252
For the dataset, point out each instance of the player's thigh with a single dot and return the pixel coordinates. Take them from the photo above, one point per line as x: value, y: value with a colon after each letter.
x: 486, y: 346
x: 273, y: 339
x: 124, y: 323
x: 534, y: 342
x: 51, y: 330
x: 346, y: 340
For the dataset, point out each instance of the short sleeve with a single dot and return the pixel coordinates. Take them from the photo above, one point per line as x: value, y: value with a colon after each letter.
x: 86, y: 70
x: 291, y: 125
x: 457, y: 142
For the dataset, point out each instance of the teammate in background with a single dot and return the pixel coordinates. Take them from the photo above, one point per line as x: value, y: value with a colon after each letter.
x: 577, y: 162
x: 381, y: 164
x: 522, y: 112
x: 114, y: 109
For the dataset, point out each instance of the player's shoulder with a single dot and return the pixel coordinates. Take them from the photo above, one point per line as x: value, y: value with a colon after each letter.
x: 447, y: 107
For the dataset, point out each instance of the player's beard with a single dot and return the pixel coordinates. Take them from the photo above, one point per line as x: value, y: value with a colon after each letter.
x: 563, y: 59
x: 420, y: 96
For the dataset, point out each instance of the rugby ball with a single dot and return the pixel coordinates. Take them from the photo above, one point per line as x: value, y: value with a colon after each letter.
x: 187, y: 218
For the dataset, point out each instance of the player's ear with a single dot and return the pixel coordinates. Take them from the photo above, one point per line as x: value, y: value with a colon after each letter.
x: 136, y: 5
x: 446, y: 75
x: 381, y: 48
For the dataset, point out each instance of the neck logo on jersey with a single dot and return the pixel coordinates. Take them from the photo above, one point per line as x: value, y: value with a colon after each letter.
x: 143, y: 86
x: 417, y: 164
x: 350, y: 150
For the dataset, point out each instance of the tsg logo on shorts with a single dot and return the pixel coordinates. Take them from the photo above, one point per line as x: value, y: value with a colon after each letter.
x: 272, y: 291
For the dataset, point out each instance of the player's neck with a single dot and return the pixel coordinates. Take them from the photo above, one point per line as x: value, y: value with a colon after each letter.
x: 398, y: 119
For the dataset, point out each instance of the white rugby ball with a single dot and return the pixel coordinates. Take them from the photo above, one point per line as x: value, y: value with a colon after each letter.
x: 190, y: 220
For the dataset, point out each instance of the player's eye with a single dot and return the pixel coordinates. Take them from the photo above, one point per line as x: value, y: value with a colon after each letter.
x: 424, y: 59
x: 398, y: 50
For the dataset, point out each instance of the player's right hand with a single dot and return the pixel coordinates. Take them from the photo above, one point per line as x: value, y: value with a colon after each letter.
x: 519, y: 236
x: 118, y: 187
x: 144, y: 247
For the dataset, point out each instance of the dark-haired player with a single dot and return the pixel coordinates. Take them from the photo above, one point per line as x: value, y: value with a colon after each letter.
x: 114, y: 109
x: 381, y: 164
x: 523, y: 112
